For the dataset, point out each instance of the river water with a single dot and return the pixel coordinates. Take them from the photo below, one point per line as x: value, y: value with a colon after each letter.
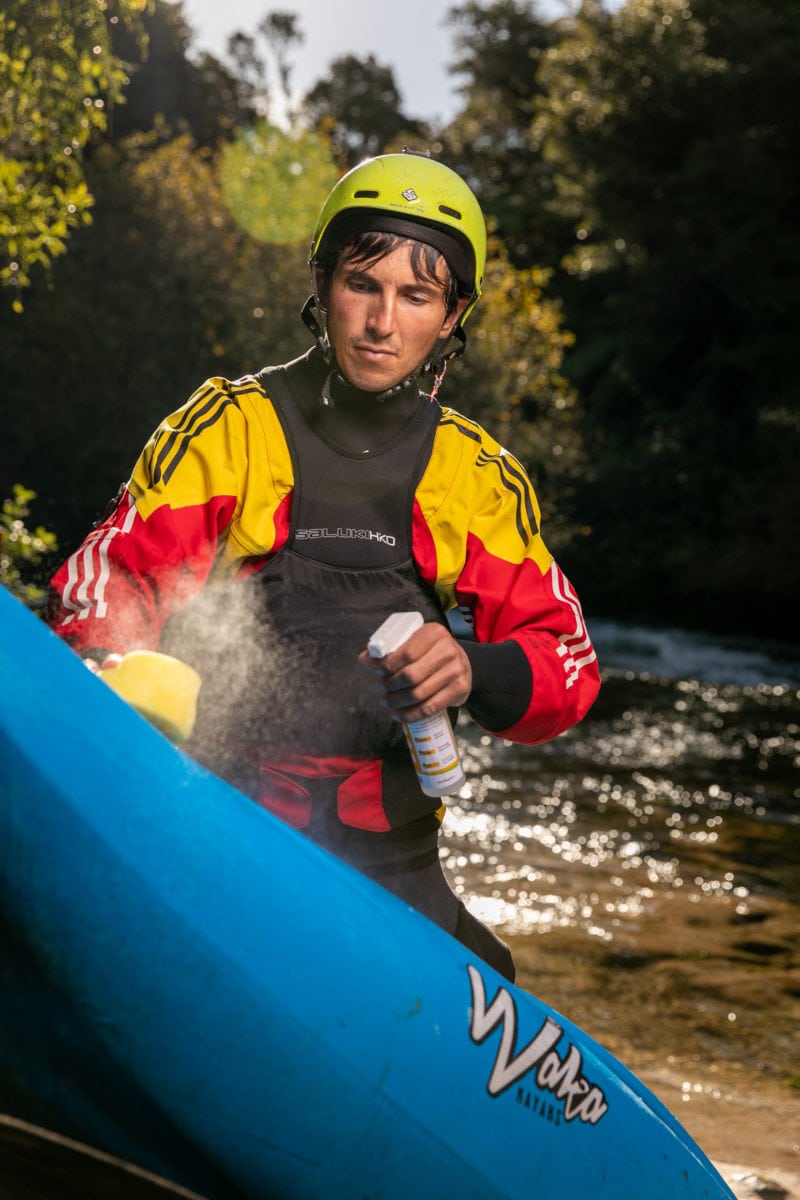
x: 645, y: 869
x: 683, y: 777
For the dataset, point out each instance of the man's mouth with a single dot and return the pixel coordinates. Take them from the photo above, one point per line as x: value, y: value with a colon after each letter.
x: 377, y: 352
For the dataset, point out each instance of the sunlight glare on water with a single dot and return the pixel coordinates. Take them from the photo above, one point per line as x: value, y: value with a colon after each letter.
x: 669, y: 787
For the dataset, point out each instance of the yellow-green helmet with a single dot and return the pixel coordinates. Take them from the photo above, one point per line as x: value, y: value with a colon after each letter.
x: 417, y: 197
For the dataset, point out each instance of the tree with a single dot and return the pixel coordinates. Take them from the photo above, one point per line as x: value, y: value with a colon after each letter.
x: 280, y: 31
x: 58, y: 75
x: 512, y: 380
x: 499, y: 49
x: 676, y: 163
x: 174, y: 92
x: 21, y: 548
x: 163, y: 291
x: 358, y: 107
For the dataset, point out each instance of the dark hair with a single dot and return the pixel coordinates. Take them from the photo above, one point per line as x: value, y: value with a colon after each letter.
x: 370, y: 246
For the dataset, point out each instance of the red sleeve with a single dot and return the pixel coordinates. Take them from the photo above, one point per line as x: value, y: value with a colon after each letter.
x: 477, y: 539
x: 130, y: 574
x: 541, y: 612
x: 187, y: 509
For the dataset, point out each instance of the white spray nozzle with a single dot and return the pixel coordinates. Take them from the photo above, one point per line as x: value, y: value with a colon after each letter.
x: 395, y: 630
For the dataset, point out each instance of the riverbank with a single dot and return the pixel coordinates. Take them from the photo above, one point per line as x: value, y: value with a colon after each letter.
x: 695, y: 1026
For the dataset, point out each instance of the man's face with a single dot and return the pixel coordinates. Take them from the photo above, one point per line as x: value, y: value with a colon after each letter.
x: 382, y: 320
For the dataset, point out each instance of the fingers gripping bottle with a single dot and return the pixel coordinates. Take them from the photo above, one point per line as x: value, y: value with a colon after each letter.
x: 431, y: 740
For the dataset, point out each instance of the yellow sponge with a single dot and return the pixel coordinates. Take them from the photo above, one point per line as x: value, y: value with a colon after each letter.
x: 163, y: 689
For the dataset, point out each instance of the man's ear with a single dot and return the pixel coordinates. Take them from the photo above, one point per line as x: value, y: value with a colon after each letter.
x: 452, y: 318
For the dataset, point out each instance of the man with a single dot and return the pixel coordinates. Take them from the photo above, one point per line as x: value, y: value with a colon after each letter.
x: 274, y: 522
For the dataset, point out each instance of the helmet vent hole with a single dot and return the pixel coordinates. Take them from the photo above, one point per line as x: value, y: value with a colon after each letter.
x: 365, y: 195
x: 450, y: 212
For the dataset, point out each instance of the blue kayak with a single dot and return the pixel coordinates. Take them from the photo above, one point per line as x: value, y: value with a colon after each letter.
x: 192, y: 986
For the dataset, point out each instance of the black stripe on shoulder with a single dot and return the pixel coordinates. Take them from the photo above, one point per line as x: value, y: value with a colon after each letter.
x: 463, y: 429
x: 253, y: 388
x: 514, y: 481
x: 198, y: 417
x: 509, y: 464
x: 511, y: 474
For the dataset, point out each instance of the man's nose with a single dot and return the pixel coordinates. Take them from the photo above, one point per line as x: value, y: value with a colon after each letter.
x: 382, y: 314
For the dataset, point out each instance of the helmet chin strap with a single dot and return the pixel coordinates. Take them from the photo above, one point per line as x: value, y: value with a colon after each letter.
x: 313, y: 318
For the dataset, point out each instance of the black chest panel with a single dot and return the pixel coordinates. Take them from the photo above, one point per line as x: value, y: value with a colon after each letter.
x: 350, y: 508
x: 346, y: 566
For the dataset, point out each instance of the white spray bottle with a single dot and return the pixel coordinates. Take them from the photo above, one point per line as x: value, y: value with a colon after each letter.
x: 431, y: 740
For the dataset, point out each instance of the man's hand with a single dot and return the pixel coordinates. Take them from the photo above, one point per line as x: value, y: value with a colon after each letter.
x: 99, y: 660
x: 428, y: 673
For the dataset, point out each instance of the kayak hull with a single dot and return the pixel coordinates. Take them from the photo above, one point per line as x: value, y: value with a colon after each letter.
x: 191, y: 985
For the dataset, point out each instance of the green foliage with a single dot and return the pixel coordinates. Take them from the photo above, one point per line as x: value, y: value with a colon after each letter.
x: 280, y: 32
x: 58, y: 75
x: 499, y: 48
x: 357, y: 106
x: 636, y: 343
x: 163, y: 291
x: 272, y: 181
x: 512, y: 381
x: 21, y: 549
x: 172, y: 91
x: 675, y: 162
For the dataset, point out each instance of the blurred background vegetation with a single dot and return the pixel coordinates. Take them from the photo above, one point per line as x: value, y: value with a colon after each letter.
x: 637, y: 341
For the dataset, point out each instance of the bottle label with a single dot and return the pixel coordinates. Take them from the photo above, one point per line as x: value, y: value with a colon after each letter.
x: 434, y: 753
